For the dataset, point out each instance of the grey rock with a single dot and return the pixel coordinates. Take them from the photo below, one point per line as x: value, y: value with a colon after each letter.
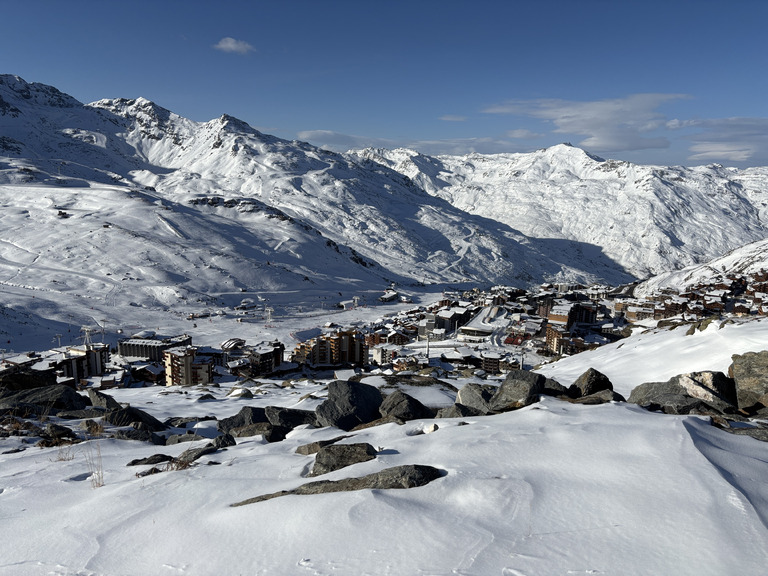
x: 57, y: 431
x: 397, y: 477
x: 520, y: 388
x: 379, y: 422
x: 405, y: 407
x: 337, y: 456
x: 349, y: 404
x: 680, y: 404
x: 290, y: 417
x: 93, y: 428
x: 52, y: 398
x: 271, y: 433
x: 141, y: 436
x: 181, y: 438
x: 101, y: 400
x: 148, y: 472
x: 554, y: 388
x: 150, y: 460
x: 180, y: 421
x: 314, y: 447
x: 21, y: 409
x: 591, y: 382
x: 750, y: 374
x: 80, y: 414
x: 714, y: 389
x: 247, y: 415
x: 477, y: 396
x: 458, y: 411
x: 27, y: 380
x: 127, y: 416
x: 756, y: 433
x: 191, y: 454
x: 224, y: 441
x: 600, y: 397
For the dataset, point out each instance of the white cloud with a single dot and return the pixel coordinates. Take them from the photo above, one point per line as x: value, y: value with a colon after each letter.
x: 228, y: 44
x: 342, y: 142
x: 523, y: 134
x: 452, y: 118
x: 610, y: 125
x: 726, y: 139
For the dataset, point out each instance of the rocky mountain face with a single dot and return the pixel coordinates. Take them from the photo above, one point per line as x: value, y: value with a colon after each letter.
x: 123, y: 196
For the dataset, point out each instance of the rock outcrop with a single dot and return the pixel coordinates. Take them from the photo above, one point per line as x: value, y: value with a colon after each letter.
x: 397, y: 477
x: 337, y: 456
x: 349, y: 404
x: 750, y: 374
x: 696, y: 392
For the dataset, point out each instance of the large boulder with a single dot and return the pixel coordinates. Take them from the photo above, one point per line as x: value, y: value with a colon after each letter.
x: 477, y: 396
x: 290, y: 417
x: 678, y: 395
x: 750, y: 374
x: 520, y: 388
x: 130, y: 416
x: 48, y: 398
x: 349, y: 404
x: 270, y: 432
x: 27, y: 379
x: 247, y: 415
x: 101, y: 400
x: 400, y: 405
x: 590, y: 382
x: 337, y: 456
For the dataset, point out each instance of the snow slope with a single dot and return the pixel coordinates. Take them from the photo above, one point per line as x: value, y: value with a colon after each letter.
x: 553, y: 488
x: 655, y: 355
x: 744, y: 261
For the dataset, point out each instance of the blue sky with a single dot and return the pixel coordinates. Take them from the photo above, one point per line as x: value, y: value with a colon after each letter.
x: 672, y: 82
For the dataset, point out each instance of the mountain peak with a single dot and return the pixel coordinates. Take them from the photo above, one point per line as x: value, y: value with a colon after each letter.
x: 17, y: 93
x: 569, y: 150
x: 235, y: 124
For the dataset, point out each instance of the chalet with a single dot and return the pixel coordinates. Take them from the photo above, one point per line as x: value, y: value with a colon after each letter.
x: 152, y: 372
x: 411, y: 363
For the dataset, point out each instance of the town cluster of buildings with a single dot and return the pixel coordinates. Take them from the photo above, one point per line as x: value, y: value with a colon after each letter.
x: 489, y: 330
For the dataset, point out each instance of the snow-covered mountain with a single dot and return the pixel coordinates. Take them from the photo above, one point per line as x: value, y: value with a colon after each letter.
x: 122, y: 202
x: 747, y: 260
x: 649, y: 219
